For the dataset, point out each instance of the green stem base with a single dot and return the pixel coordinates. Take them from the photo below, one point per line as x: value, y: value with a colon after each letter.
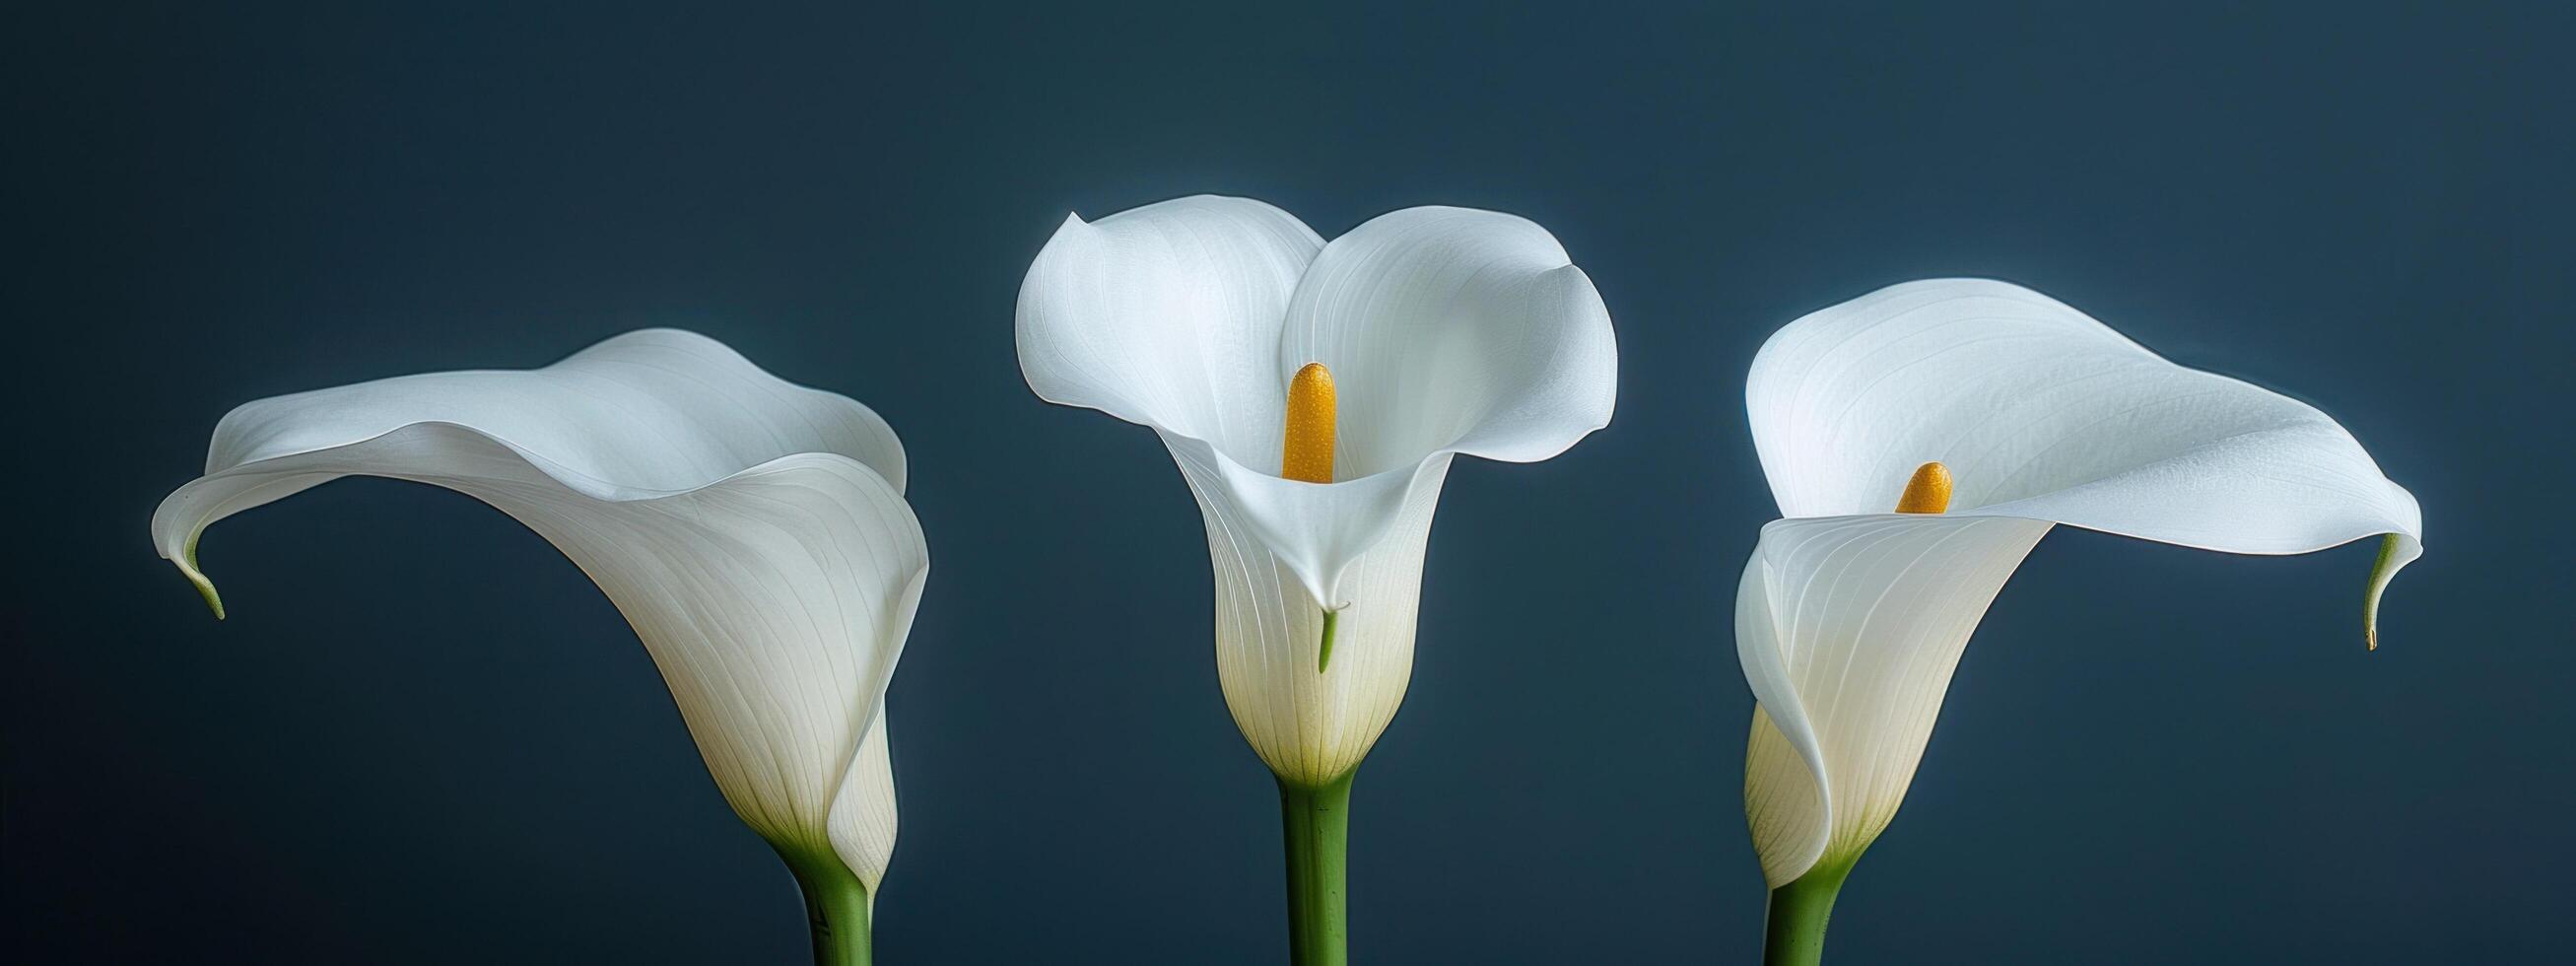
x: 1795, y: 934
x: 836, y: 907
x: 1317, y: 824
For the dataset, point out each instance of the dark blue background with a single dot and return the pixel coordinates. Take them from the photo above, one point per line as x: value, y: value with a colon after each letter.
x: 423, y: 738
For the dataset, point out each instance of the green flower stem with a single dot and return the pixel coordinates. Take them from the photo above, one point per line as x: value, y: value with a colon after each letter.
x: 836, y: 906
x: 1795, y: 935
x: 1318, y: 824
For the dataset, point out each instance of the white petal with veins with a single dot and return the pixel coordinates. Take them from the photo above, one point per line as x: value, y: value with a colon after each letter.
x: 753, y: 532
x: 1850, y: 619
x: 1446, y: 331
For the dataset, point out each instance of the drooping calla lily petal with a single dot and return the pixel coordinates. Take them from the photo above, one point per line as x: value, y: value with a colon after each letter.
x: 753, y: 532
x: 1850, y: 619
x: 1446, y: 330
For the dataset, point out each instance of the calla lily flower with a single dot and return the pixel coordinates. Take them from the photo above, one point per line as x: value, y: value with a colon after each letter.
x: 1314, y: 396
x: 1920, y: 440
x: 753, y: 532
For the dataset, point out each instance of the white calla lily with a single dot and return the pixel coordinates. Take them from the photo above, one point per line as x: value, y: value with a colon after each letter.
x: 753, y: 532
x: 1850, y: 617
x: 1438, y: 331
x: 1446, y: 331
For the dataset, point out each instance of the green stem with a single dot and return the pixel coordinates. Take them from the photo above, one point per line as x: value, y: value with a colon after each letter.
x: 836, y: 907
x: 1317, y: 822
x: 1795, y: 935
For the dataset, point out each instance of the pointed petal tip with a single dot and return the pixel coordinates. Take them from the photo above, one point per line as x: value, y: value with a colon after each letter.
x: 2381, y: 570
x: 205, y: 587
x: 1071, y: 227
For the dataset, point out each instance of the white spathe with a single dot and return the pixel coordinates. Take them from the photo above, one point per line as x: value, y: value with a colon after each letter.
x: 1447, y: 331
x: 1850, y: 619
x: 753, y: 532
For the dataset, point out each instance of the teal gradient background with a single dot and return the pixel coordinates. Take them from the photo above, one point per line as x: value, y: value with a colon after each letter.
x: 422, y: 737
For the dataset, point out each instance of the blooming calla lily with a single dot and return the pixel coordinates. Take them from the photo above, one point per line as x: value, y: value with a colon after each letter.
x: 753, y: 532
x: 1850, y: 617
x: 1444, y: 331
x: 1314, y: 396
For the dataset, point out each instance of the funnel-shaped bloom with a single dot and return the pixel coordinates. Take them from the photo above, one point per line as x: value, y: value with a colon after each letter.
x: 1850, y: 618
x: 1314, y: 395
x: 753, y: 532
x: 1444, y: 331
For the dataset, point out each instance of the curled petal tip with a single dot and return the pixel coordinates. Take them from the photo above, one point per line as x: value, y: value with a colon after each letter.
x: 205, y: 588
x: 2380, y: 570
